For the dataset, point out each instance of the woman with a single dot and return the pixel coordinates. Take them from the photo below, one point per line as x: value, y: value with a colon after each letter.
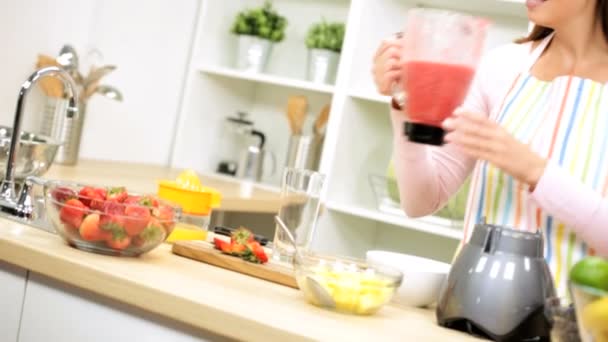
x: 533, y: 132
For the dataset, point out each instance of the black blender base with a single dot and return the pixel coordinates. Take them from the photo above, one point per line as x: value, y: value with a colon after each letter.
x: 535, y: 328
x: 424, y: 134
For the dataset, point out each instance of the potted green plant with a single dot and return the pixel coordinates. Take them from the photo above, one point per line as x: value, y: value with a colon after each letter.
x: 324, y: 42
x: 257, y: 29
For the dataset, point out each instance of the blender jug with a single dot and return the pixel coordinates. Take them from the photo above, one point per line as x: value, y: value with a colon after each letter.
x: 441, y: 52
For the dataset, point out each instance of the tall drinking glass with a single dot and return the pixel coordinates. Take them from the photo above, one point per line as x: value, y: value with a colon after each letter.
x: 300, y: 203
x: 440, y: 54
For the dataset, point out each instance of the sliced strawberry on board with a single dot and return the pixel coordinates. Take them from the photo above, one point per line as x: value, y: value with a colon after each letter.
x: 222, y: 245
x: 72, y: 213
x: 258, y: 251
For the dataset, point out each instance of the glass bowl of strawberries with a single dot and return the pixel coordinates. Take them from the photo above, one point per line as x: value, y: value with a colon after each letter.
x: 109, y: 221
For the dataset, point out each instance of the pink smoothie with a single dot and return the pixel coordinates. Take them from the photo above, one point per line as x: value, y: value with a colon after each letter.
x: 434, y: 90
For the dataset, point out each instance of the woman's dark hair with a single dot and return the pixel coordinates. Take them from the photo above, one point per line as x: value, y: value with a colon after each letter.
x: 541, y: 32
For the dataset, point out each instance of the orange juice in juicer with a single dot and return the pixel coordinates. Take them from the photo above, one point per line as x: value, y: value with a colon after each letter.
x: 440, y: 54
x: 197, y: 202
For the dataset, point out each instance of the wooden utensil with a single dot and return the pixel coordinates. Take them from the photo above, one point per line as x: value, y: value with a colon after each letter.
x: 52, y: 86
x: 297, y: 107
x: 321, y: 120
x: 97, y: 74
x: 205, y: 252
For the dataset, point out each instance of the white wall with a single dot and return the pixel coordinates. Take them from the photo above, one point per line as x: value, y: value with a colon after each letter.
x: 148, y: 41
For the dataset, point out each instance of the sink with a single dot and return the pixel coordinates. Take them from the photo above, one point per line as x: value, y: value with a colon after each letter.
x: 38, y: 220
x: 259, y: 223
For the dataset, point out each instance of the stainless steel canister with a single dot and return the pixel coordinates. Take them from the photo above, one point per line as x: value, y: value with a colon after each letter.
x: 67, y: 131
x: 304, y: 152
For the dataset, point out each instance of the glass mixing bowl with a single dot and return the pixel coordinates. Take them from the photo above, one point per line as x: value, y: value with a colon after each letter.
x: 121, y: 228
x: 354, y: 287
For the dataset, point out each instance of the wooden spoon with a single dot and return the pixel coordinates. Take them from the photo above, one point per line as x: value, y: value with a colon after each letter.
x: 321, y: 120
x: 52, y: 86
x: 296, y: 113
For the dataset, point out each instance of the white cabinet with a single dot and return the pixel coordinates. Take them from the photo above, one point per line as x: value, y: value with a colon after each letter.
x: 54, y: 311
x: 358, y: 141
x: 12, y: 290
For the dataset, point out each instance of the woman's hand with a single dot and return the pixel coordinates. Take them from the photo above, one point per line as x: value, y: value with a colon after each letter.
x: 484, y: 139
x: 387, y: 66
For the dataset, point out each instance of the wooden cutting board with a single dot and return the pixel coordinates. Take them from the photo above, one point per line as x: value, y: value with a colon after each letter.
x: 205, y: 252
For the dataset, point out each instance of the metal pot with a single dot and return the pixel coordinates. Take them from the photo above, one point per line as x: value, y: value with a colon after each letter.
x: 35, y: 154
x: 253, y: 53
x: 322, y: 66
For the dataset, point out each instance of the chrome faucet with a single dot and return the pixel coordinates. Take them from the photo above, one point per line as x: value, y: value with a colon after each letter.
x: 21, y: 205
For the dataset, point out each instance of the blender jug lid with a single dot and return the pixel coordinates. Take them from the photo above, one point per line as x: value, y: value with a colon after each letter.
x: 497, y: 239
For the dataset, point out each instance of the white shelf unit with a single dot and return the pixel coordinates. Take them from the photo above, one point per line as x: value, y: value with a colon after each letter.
x: 359, y: 137
x: 295, y: 84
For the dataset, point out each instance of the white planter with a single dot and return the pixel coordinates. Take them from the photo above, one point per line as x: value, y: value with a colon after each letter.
x: 322, y: 66
x: 253, y: 53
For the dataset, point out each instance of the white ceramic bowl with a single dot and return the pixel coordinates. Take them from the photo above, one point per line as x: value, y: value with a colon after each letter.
x: 422, y: 278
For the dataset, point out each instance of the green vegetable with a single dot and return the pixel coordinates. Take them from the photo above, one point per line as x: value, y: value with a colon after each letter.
x: 324, y: 35
x: 263, y: 22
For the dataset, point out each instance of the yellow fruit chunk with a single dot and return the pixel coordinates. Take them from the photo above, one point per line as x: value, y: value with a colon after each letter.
x: 595, y: 315
x: 354, y: 292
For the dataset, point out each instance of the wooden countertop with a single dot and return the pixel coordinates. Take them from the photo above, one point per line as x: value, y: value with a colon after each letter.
x: 207, y: 297
x: 236, y: 195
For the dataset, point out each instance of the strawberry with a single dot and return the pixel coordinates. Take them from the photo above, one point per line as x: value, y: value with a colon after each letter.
x: 153, y: 233
x: 72, y: 212
x: 118, y: 242
x: 112, y: 216
x: 117, y: 194
x: 137, y: 241
x: 89, y: 194
x: 136, y: 219
x: 164, y: 214
x: 132, y: 199
x: 102, y: 192
x: 149, y: 201
x: 62, y: 194
x: 90, y: 230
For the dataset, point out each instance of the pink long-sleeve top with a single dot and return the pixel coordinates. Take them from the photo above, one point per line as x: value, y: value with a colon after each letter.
x: 428, y: 176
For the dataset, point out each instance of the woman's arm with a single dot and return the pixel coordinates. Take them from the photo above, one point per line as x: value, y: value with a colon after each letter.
x: 575, y: 204
x: 427, y: 176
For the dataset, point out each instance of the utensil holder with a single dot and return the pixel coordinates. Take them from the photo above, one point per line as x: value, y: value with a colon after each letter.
x: 304, y: 152
x: 67, y: 131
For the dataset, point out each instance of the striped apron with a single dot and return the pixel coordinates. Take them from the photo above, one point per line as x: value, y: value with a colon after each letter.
x: 563, y: 120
